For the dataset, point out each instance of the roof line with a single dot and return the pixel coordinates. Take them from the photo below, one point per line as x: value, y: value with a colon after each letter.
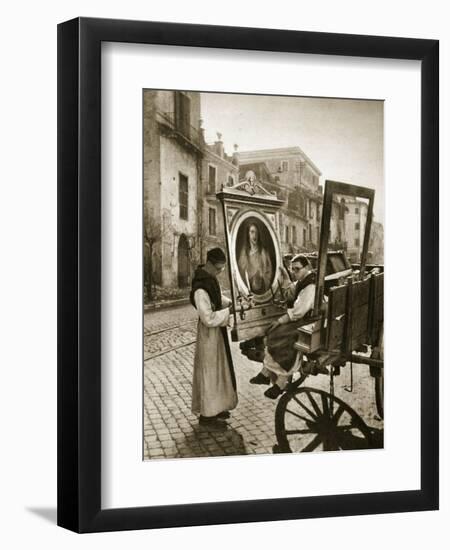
x: 294, y: 149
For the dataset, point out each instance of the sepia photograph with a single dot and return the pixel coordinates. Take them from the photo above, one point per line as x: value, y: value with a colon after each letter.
x: 263, y: 272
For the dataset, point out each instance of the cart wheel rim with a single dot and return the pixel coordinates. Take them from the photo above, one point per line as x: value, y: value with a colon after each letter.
x: 308, y: 420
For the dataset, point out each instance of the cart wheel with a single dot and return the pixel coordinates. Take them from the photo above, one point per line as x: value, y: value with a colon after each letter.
x: 312, y: 420
x: 379, y: 380
x: 379, y: 395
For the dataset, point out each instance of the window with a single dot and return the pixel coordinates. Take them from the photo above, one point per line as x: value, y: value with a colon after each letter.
x: 284, y: 166
x: 183, y: 196
x: 315, y: 180
x: 318, y: 213
x: 212, y: 221
x: 342, y: 209
x: 230, y: 180
x: 318, y: 235
x: 183, y: 113
x: 304, y: 237
x: 356, y: 226
x: 287, y: 233
x: 294, y: 234
x: 302, y: 206
x: 357, y: 241
x: 211, y: 179
x: 292, y: 201
x: 311, y: 209
x: 310, y: 232
x: 356, y: 210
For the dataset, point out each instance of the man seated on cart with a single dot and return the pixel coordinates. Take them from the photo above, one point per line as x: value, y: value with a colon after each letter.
x: 280, y: 354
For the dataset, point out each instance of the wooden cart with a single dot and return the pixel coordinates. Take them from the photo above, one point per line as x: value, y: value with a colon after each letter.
x: 347, y: 331
x: 346, y: 327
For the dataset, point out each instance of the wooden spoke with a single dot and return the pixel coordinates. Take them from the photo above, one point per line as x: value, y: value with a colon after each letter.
x: 305, y: 408
x: 325, y: 404
x: 313, y: 444
x: 314, y: 404
x: 337, y: 415
x: 308, y: 420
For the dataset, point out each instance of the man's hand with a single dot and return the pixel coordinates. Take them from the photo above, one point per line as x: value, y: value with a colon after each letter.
x: 283, y: 277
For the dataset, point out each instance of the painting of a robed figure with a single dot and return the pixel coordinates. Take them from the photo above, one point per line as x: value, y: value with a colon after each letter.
x: 255, y: 256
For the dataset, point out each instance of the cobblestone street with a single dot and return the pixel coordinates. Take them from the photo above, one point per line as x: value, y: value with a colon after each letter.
x: 171, y: 430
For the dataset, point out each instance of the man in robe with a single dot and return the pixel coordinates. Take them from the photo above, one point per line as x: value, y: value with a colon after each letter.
x: 280, y: 355
x: 214, y: 382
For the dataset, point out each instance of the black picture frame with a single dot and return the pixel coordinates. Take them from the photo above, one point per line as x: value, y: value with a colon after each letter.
x: 79, y: 274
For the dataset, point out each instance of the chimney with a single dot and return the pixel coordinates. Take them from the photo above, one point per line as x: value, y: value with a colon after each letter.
x: 201, y: 131
x: 218, y: 145
x: 236, y: 155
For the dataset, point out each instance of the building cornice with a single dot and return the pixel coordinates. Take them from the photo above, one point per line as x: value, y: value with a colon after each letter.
x: 260, y: 154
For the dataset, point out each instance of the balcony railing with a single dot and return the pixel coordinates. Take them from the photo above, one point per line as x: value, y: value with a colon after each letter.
x: 191, y: 135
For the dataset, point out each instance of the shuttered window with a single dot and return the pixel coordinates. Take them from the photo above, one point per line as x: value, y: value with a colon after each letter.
x: 211, y: 179
x: 183, y: 196
x: 183, y: 113
x: 212, y: 221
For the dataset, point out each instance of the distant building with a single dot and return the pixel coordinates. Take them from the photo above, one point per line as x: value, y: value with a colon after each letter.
x: 173, y: 151
x: 337, y: 238
x: 354, y: 211
x: 376, y: 243
x: 353, y: 229
x: 295, y: 178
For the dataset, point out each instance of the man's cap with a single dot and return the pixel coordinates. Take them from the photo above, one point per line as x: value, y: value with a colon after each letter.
x: 216, y: 256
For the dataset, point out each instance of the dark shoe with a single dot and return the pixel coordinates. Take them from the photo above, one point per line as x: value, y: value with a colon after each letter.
x: 224, y: 415
x: 247, y: 344
x: 212, y: 423
x: 273, y: 392
x: 260, y: 379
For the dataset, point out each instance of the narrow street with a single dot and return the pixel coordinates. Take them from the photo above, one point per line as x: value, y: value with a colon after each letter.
x: 172, y: 431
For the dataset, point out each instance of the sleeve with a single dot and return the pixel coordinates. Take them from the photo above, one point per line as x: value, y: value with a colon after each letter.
x: 303, y: 303
x: 207, y: 316
x: 289, y: 291
x: 225, y: 301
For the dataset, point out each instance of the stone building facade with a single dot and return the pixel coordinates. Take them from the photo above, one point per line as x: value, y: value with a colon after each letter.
x: 376, y: 243
x: 295, y: 178
x: 173, y: 152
